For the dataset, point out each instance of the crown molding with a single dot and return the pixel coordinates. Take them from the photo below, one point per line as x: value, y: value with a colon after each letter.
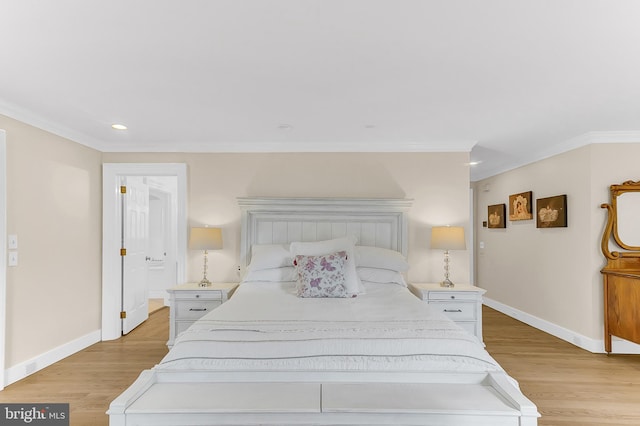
x: 589, y: 138
x: 298, y: 146
x: 31, y: 119
x: 483, y: 172
x: 24, y: 116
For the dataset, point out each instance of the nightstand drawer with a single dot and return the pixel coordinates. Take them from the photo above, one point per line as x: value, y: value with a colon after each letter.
x: 462, y: 303
x: 457, y: 311
x: 190, y: 302
x: 194, y: 309
x: 452, y: 295
x: 199, y: 295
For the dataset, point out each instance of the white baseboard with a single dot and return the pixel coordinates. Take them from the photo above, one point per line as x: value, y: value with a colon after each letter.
x: 159, y: 294
x: 26, y: 368
x: 618, y: 346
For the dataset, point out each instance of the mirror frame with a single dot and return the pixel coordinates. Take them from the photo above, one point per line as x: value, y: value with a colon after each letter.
x: 611, y: 229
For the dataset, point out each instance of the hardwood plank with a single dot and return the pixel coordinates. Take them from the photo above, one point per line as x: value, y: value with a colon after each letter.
x: 571, y: 387
x: 155, y: 304
x: 90, y: 379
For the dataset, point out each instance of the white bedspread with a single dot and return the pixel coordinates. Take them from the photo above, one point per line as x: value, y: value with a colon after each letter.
x: 265, y: 327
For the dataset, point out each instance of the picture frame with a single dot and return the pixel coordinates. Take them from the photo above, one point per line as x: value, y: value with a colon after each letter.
x: 496, y: 216
x: 551, y: 212
x: 520, y: 207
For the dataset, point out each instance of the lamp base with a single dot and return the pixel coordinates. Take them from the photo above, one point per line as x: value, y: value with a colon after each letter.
x: 204, y: 283
x: 446, y: 283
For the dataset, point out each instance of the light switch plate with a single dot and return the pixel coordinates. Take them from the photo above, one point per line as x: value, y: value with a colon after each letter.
x: 12, y: 242
x: 13, y: 258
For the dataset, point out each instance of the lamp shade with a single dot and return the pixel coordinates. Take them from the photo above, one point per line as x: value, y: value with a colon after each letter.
x: 205, y: 239
x: 448, y: 238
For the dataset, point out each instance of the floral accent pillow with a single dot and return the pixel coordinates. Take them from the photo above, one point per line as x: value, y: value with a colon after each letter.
x: 315, y: 248
x: 321, y: 276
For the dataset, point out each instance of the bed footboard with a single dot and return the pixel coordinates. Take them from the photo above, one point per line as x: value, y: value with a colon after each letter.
x: 491, y: 400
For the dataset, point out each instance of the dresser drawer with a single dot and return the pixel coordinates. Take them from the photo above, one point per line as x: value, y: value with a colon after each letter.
x: 194, y: 309
x: 451, y: 295
x: 457, y: 311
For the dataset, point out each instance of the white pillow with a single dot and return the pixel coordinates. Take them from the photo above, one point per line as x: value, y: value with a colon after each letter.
x: 322, y: 247
x: 381, y: 276
x: 268, y: 256
x: 377, y: 257
x: 316, y: 248
x: 271, y: 275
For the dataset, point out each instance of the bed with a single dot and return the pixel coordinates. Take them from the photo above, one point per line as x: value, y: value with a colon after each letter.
x: 372, y: 354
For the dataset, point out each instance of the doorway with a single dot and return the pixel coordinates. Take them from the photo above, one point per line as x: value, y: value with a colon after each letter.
x: 169, y: 211
x: 162, y: 253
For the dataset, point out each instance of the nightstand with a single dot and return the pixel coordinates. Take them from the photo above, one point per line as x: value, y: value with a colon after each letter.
x: 189, y: 302
x: 462, y: 303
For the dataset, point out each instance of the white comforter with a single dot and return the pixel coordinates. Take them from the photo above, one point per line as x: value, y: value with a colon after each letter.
x: 265, y: 327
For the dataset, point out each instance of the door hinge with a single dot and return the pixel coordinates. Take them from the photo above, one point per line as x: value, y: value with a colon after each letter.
x: 123, y: 189
x: 123, y: 315
x: 123, y: 252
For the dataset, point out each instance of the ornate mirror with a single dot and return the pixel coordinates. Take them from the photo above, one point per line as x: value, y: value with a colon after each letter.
x: 623, y: 222
x: 621, y: 275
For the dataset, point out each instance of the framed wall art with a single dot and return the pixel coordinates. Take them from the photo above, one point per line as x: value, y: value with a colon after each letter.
x: 520, y: 206
x: 551, y: 212
x: 496, y: 216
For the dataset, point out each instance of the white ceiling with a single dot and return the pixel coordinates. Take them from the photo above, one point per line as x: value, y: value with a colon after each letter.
x: 510, y: 80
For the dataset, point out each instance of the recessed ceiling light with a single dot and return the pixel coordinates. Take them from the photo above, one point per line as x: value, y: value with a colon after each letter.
x: 474, y: 163
x: 285, y: 126
x: 369, y: 126
x: 119, y: 126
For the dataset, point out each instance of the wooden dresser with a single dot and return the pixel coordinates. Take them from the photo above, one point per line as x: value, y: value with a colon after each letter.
x: 621, y: 302
x: 621, y: 275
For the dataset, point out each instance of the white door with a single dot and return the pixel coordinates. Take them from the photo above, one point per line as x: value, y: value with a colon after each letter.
x: 135, y: 237
x: 112, y: 230
x: 162, y: 238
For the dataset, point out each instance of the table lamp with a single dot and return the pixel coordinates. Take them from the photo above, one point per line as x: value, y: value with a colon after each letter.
x: 205, y: 239
x: 447, y: 238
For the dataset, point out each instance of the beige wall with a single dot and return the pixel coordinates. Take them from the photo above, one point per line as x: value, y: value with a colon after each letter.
x: 438, y: 183
x: 553, y: 274
x: 54, y: 207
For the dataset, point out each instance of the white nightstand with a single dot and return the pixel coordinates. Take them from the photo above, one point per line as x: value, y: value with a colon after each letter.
x: 189, y: 302
x: 462, y: 303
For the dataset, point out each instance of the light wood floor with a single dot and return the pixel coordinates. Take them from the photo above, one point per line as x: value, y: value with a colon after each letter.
x: 90, y: 379
x: 570, y: 386
x: 155, y: 304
